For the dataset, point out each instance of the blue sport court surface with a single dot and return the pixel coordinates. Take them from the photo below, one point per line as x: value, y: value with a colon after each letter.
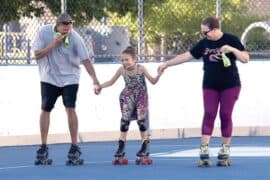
x: 172, y: 159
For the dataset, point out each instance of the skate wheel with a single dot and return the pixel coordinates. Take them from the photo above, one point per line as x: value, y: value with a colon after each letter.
x: 68, y: 162
x: 120, y: 162
x: 143, y: 161
x: 224, y: 163
x: 74, y: 163
x: 43, y: 162
x: 81, y: 161
x: 138, y: 161
x: 37, y: 162
x: 146, y: 161
x: 114, y: 162
x: 124, y: 161
x: 202, y: 163
x: 49, y: 161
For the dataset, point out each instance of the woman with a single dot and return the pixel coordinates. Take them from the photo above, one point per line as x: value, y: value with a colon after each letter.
x: 221, y: 82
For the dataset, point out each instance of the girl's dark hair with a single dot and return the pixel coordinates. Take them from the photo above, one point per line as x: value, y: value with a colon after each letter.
x: 131, y: 51
x: 211, y: 22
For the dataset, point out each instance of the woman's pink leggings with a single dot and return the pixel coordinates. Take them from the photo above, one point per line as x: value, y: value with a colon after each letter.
x: 226, y: 100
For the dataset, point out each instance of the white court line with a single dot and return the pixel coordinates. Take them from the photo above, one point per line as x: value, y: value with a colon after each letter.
x: 236, y: 151
x: 85, y: 163
x: 188, y: 159
x: 15, y: 167
x: 53, y: 165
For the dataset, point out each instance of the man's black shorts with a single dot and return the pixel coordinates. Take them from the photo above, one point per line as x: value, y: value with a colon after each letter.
x: 50, y: 93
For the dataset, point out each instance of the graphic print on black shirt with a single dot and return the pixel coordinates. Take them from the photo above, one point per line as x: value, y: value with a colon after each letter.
x: 214, y: 55
x: 216, y: 76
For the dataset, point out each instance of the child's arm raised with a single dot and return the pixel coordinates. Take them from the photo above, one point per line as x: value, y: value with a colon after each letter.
x: 151, y: 79
x: 112, y: 81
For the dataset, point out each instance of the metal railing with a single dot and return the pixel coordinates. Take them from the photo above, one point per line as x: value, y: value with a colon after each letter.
x: 159, y: 29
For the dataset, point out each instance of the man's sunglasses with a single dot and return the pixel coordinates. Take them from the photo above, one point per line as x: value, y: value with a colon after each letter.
x: 66, y: 23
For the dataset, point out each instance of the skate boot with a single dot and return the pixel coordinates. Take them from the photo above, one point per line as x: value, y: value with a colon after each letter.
x: 143, y: 154
x: 204, y: 156
x: 74, y: 156
x: 42, y: 156
x: 224, y: 155
x: 119, y: 156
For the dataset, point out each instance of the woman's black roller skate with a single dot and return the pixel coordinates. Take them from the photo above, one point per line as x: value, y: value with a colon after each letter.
x: 223, y: 156
x: 74, y: 156
x: 42, y: 156
x: 204, y: 156
x: 143, y: 154
x: 120, y: 154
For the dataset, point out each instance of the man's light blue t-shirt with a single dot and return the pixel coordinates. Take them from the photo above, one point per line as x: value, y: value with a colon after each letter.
x: 61, y: 66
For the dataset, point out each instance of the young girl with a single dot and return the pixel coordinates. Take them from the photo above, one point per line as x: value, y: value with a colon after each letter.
x: 133, y: 102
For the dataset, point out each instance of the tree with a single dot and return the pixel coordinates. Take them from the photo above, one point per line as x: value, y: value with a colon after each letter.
x: 83, y: 11
x: 173, y: 26
x: 179, y: 21
x: 13, y: 10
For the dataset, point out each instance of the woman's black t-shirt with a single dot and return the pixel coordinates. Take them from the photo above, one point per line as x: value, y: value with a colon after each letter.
x: 216, y: 76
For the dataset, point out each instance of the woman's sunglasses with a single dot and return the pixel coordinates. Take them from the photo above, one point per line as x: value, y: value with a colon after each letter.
x: 206, y: 32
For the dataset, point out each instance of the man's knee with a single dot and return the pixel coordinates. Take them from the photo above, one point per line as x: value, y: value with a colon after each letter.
x: 47, y: 106
x: 69, y: 103
x: 71, y: 112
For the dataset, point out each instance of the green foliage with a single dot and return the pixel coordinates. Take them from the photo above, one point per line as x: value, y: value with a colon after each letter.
x: 177, y: 23
x: 240, y: 17
x: 13, y: 10
x: 174, y: 22
x: 258, y: 39
x: 83, y: 11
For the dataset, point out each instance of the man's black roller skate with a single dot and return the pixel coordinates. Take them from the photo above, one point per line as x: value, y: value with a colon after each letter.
x: 143, y: 154
x: 42, y: 156
x: 120, y: 154
x: 74, y: 156
x: 204, y: 156
x: 224, y: 155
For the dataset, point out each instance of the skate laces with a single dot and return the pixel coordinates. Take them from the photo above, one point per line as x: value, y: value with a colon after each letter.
x: 43, y: 148
x: 120, y: 147
x: 204, y: 149
x: 74, y: 148
x: 225, y: 149
x: 144, y: 147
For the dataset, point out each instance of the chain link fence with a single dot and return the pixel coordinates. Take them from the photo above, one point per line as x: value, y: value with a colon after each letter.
x: 159, y: 28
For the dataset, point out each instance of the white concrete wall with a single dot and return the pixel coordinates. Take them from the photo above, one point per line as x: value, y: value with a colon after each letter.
x: 175, y: 102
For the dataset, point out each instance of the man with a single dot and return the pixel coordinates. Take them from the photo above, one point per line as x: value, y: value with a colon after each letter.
x: 59, y: 50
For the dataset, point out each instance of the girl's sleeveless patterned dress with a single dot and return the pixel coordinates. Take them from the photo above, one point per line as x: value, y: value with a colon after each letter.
x: 134, y: 97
